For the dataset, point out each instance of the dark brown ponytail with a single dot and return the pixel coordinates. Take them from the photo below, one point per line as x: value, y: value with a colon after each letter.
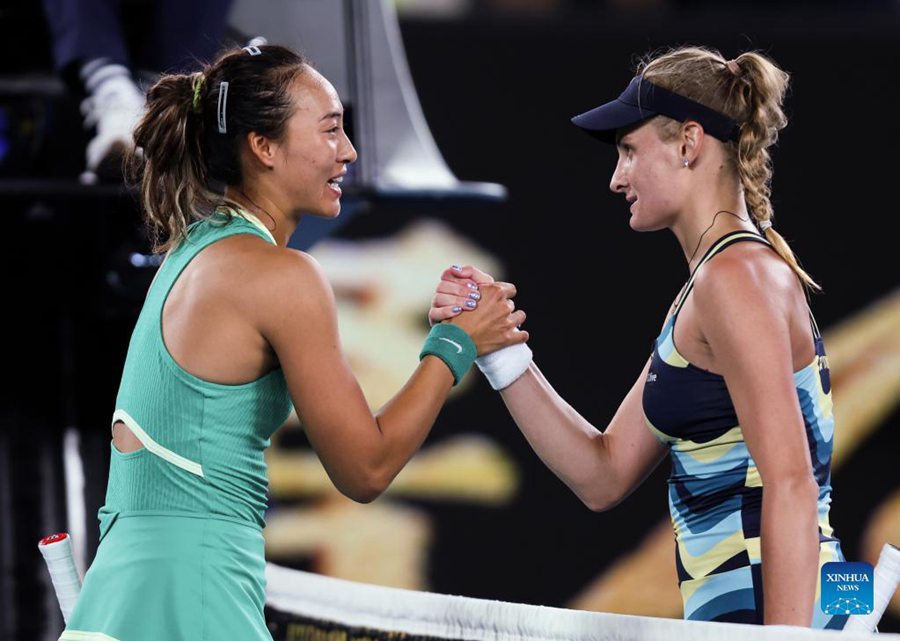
x: 183, y: 147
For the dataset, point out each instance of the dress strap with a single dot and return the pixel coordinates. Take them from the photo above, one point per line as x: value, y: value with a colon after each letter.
x: 721, y: 244
x: 812, y: 322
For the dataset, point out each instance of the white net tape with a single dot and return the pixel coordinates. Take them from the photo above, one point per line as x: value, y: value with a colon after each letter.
x: 426, y: 614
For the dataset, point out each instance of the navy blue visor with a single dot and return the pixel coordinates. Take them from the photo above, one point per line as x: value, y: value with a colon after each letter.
x: 643, y: 100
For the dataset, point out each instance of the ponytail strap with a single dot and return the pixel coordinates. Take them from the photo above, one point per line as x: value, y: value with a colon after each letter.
x: 197, y: 85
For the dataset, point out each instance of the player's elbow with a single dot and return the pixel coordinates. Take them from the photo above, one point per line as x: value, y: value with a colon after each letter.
x: 365, y: 486
x: 361, y: 493
x: 601, y: 504
x: 358, y: 495
x: 600, y: 499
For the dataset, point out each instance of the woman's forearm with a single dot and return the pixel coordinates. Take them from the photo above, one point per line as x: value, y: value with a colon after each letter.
x: 790, y: 551
x: 567, y: 444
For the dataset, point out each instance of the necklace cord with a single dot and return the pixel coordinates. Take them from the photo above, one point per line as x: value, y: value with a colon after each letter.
x: 700, y: 240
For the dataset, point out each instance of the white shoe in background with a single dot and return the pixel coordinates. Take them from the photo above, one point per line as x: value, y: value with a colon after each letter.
x: 112, y: 111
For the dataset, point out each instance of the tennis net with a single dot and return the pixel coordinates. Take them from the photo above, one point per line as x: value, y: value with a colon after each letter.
x: 303, y: 606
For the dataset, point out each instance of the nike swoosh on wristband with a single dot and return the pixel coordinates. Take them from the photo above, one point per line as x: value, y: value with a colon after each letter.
x: 454, y: 343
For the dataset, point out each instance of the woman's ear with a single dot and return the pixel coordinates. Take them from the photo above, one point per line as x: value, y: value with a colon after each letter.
x: 262, y: 149
x: 692, y: 137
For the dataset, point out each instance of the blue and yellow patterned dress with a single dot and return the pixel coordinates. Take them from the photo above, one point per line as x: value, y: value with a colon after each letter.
x: 715, y: 491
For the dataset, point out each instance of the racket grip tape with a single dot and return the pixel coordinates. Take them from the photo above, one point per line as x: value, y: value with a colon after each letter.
x: 60, y: 559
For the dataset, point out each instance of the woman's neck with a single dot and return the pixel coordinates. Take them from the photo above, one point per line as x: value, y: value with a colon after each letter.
x: 265, y: 209
x: 697, y: 233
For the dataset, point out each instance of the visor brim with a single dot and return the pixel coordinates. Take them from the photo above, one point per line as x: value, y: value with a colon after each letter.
x: 602, y: 122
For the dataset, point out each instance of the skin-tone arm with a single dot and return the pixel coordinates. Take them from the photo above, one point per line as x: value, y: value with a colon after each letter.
x: 361, y: 452
x: 744, y: 316
x: 601, y: 468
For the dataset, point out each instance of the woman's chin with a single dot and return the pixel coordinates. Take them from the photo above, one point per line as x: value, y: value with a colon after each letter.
x: 640, y: 224
x: 636, y: 223
x: 331, y: 210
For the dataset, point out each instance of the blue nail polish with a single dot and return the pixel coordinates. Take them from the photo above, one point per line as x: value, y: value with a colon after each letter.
x: 456, y: 268
x: 471, y: 304
x: 471, y: 285
x: 474, y: 295
x: 457, y: 308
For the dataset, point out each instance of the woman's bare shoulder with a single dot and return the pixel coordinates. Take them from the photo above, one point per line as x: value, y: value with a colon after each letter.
x: 746, y: 270
x: 258, y: 275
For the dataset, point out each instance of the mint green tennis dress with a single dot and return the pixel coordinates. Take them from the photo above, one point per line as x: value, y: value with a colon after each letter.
x: 181, y: 554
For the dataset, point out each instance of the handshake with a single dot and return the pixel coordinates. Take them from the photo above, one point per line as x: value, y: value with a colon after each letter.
x: 503, y: 355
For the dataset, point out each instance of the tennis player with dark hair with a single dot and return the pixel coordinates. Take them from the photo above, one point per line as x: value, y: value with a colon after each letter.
x: 235, y: 329
x: 737, y: 390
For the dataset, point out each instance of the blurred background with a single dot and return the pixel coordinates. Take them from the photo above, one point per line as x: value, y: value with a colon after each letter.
x: 460, y: 111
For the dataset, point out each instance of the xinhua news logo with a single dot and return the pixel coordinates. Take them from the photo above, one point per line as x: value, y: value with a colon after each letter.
x: 847, y: 588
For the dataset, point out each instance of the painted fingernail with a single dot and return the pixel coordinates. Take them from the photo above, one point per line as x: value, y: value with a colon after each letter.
x: 471, y: 304
x: 471, y: 285
x: 457, y: 309
x: 456, y: 268
x: 474, y: 295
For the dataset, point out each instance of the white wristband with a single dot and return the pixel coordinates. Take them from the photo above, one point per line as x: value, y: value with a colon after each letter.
x: 504, y: 366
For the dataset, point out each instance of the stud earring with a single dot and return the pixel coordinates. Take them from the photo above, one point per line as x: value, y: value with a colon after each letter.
x: 685, y: 162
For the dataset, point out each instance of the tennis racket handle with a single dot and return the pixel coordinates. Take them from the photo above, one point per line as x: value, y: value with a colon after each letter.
x: 60, y: 558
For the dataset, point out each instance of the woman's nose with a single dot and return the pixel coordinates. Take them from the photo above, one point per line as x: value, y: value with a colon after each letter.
x: 617, y: 181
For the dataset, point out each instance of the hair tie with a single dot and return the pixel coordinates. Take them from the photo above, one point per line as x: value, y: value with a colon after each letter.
x: 197, y: 84
x: 764, y: 225
x: 733, y: 67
